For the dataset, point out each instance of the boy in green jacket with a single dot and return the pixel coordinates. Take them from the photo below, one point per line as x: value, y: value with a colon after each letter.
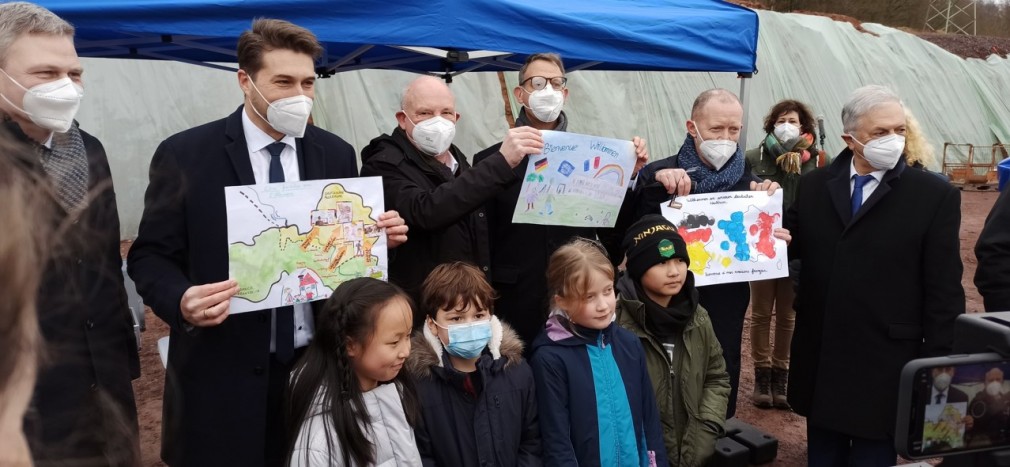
x: 683, y: 357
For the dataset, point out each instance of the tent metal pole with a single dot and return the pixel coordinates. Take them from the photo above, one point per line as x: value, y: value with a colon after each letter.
x: 745, y: 102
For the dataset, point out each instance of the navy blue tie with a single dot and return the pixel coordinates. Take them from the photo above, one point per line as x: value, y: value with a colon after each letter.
x: 284, y: 332
x: 857, y: 191
x: 276, y: 170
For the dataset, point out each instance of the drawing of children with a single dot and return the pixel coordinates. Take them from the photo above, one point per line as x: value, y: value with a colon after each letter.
x: 549, y: 201
x: 531, y: 197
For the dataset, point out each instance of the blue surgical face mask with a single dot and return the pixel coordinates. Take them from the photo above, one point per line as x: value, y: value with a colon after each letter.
x: 467, y: 340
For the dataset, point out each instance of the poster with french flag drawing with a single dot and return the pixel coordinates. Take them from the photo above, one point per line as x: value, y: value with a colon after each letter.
x: 577, y: 181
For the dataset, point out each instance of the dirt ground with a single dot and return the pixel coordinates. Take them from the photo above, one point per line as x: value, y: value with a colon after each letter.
x: 789, y: 428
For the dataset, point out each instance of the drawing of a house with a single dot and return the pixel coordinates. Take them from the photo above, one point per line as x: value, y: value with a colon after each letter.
x: 307, y: 286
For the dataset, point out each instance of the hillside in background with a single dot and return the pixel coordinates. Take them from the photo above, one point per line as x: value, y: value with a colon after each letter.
x: 992, y: 24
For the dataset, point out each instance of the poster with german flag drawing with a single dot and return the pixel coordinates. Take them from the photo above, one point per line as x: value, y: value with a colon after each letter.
x: 729, y: 235
x: 577, y: 181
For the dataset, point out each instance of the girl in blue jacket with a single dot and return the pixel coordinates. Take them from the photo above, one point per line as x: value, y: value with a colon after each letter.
x: 594, y: 395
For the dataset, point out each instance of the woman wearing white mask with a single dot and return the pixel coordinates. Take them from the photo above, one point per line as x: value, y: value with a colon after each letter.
x: 786, y: 152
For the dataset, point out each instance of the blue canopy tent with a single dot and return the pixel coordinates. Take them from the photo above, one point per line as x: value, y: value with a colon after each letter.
x: 434, y: 36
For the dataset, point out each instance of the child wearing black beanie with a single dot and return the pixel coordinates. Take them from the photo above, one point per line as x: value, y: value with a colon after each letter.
x: 683, y: 356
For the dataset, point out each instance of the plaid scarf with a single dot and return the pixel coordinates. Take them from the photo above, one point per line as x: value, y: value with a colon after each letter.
x: 66, y: 164
x: 709, y: 180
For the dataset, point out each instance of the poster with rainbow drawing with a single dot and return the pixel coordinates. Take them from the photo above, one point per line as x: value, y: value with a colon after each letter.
x: 729, y: 235
x: 577, y: 181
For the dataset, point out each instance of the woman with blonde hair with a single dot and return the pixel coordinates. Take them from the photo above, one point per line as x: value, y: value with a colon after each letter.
x: 919, y: 151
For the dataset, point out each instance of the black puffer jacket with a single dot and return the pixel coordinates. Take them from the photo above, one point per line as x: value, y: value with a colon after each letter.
x: 498, y: 427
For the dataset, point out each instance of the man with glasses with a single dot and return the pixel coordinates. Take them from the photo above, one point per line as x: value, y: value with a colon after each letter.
x: 430, y: 183
x: 519, y: 252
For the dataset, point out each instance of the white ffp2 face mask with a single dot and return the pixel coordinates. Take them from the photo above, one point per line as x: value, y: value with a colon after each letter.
x: 51, y: 105
x: 716, y: 151
x: 434, y: 135
x: 883, y: 153
x: 786, y: 131
x: 547, y: 103
x: 288, y: 115
x: 941, y: 381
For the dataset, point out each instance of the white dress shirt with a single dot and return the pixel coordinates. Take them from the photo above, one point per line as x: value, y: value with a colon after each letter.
x: 257, y: 141
x: 870, y: 185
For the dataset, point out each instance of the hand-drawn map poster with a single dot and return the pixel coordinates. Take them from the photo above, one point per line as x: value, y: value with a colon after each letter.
x: 729, y: 235
x: 577, y: 181
x: 295, y: 242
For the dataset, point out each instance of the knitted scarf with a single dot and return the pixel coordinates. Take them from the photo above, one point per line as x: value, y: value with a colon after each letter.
x: 799, y: 145
x: 709, y: 180
x: 66, y: 163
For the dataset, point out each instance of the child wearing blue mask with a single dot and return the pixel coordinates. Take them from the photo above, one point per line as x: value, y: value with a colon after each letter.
x: 476, y: 392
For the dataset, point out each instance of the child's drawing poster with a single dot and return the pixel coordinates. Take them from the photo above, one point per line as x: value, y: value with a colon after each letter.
x: 578, y: 181
x: 943, y: 426
x: 295, y: 242
x: 729, y: 235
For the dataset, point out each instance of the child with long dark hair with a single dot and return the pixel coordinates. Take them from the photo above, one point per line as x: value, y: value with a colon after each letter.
x: 595, y: 398
x: 349, y: 403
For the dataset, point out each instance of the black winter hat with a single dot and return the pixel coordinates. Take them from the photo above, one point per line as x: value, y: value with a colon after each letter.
x: 650, y: 241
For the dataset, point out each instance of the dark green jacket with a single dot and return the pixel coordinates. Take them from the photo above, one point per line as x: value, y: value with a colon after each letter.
x: 703, y: 390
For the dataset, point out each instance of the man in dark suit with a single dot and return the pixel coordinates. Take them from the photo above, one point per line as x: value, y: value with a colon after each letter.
x: 880, y: 284
x: 226, y: 374
x: 83, y: 409
x: 519, y: 252
x: 941, y: 392
x: 992, y: 277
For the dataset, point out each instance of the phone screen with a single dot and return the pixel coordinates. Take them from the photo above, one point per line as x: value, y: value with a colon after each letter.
x: 960, y: 408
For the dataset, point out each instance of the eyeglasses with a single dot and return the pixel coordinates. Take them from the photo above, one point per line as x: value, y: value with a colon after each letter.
x: 540, y: 82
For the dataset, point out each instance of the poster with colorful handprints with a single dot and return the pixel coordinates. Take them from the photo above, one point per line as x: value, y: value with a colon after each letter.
x: 729, y: 235
x: 578, y: 181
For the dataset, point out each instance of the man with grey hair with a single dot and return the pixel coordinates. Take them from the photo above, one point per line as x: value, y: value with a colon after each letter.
x: 83, y: 409
x: 710, y: 161
x: 430, y: 183
x: 880, y: 283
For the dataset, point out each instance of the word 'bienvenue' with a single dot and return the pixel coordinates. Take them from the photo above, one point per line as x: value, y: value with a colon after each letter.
x: 548, y: 147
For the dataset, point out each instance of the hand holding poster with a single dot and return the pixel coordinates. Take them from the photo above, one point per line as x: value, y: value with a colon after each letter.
x: 578, y: 181
x: 729, y: 235
x: 296, y: 242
